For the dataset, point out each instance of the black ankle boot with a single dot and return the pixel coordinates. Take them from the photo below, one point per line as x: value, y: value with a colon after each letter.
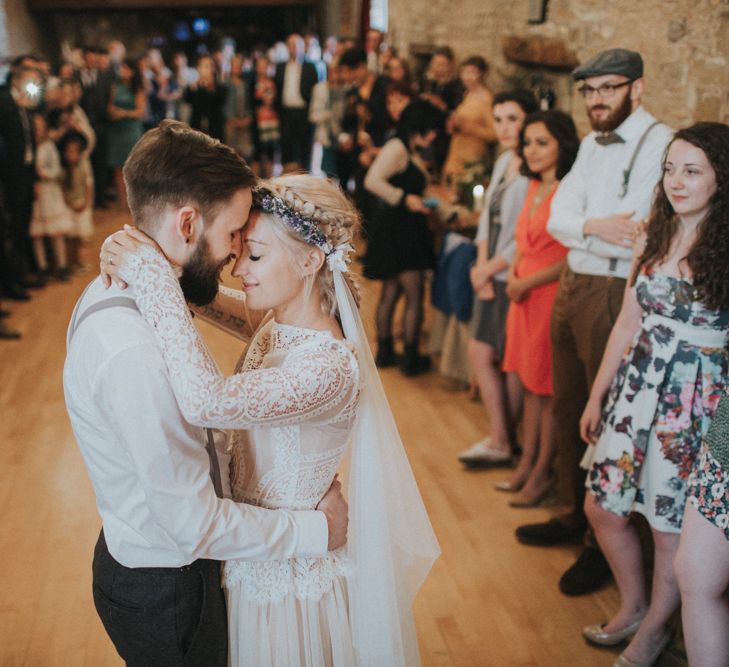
x: 413, y: 362
x: 385, y: 353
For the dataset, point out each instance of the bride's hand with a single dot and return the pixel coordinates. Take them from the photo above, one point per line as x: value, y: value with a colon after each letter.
x: 116, y: 248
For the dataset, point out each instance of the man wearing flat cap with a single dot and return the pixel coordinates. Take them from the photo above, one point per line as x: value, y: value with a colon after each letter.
x: 594, y: 213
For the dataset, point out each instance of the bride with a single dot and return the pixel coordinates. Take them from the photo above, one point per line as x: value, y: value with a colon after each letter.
x: 307, y: 401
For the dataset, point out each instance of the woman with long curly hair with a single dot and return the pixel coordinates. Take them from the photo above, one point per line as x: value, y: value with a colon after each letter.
x: 702, y: 562
x: 650, y: 405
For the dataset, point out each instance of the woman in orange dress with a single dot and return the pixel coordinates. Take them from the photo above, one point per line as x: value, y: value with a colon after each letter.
x: 548, y: 145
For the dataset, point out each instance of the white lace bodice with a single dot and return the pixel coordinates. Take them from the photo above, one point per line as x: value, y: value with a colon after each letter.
x: 295, y: 393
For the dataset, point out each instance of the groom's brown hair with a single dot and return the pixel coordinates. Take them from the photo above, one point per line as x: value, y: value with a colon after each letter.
x: 174, y: 165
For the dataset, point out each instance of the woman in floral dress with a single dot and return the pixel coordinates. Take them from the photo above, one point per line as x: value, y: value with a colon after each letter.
x: 660, y: 395
x: 702, y: 562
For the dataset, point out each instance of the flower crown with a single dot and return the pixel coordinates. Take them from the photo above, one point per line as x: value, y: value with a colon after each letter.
x: 305, y: 226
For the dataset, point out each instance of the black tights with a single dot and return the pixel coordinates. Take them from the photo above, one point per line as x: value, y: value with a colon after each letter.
x: 411, y: 283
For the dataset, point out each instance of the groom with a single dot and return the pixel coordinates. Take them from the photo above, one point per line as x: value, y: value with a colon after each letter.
x: 156, y: 570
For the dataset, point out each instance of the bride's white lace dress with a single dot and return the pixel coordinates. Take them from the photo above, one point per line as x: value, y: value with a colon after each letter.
x: 296, y: 394
x: 292, y: 612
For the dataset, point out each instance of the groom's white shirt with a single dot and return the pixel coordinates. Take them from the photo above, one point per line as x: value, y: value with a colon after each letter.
x: 149, y: 467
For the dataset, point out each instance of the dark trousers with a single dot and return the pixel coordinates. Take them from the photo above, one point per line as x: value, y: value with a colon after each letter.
x: 584, y: 312
x: 162, y: 617
x: 296, y: 137
x: 99, y: 166
x: 6, y: 276
x: 19, y: 201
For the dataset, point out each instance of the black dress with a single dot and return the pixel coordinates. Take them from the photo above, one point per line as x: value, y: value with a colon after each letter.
x: 399, y: 240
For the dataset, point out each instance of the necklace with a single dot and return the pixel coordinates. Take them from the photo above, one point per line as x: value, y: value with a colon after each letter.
x: 540, y: 195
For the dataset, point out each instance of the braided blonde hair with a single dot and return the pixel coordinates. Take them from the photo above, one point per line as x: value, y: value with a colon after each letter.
x: 335, y: 215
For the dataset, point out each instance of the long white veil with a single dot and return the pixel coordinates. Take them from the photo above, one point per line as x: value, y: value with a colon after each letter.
x: 390, y: 537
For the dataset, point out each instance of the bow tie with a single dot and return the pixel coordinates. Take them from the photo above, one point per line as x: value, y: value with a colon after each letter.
x: 609, y: 138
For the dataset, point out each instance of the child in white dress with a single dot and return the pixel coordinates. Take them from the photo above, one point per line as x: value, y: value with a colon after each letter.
x: 78, y: 192
x: 51, y: 217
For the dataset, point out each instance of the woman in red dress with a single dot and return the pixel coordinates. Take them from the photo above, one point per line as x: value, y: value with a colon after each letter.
x: 548, y: 144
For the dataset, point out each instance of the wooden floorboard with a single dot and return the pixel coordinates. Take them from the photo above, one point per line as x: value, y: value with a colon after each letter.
x: 488, y: 601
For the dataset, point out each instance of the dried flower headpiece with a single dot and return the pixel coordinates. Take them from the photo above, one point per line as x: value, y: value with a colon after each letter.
x: 305, y: 226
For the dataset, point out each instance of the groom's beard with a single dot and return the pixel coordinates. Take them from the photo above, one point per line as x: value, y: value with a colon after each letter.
x: 201, y: 275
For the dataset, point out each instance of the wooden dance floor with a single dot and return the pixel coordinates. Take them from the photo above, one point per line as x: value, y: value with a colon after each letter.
x: 488, y: 601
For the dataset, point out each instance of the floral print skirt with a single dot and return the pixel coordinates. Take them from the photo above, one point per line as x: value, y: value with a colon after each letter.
x: 709, y: 483
x: 659, y: 406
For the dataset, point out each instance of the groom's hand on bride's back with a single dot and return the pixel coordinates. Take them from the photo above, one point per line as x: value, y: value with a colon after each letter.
x: 336, y: 511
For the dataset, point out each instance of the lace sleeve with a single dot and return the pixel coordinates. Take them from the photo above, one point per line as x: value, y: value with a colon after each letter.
x: 315, y: 384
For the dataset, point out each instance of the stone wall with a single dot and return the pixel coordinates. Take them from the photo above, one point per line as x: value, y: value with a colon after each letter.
x: 684, y: 43
x: 19, y: 31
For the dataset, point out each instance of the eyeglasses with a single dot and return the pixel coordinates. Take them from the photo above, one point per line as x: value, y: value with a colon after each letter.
x: 606, y: 90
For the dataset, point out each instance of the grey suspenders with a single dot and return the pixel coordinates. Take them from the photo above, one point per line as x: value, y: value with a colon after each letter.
x: 626, y: 176
x: 128, y: 302
x: 631, y: 164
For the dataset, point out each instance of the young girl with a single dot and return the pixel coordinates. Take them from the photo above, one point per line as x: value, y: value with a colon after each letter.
x: 51, y: 217
x: 548, y: 144
x: 78, y: 192
x: 306, y: 387
x: 661, y: 394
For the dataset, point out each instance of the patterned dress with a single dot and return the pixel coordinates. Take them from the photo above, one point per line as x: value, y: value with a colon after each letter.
x: 709, y: 483
x: 660, y: 404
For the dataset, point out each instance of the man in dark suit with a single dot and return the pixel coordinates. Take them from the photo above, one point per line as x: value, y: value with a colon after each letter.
x: 295, y: 80
x: 17, y: 173
x: 96, y: 79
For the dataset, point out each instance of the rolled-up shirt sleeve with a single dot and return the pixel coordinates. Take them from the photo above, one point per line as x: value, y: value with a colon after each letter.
x: 391, y: 160
x: 172, y: 467
x: 567, y: 215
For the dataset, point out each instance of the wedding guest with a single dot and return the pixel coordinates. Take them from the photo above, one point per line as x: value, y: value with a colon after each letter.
x: 206, y: 97
x: 325, y: 112
x: 17, y: 174
x: 373, y: 42
x: 357, y: 81
x: 267, y: 131
x: 665, y: 366
x: 471, y: 124
x: 400, y: 247
x: 97, y: 84
x: 127, y: 106
x: 117, y: 52
x: 548, y: 145
x: 6, y: 331
x: 440, y: 86
x: 51, y: 217
x: 295, y: 79
x: 594, y: 213
x: 496, y: 246
x: 74, y: 118
x: 238, y: 110
x: 377, y: 120
x: 313, y: 55
x: 185, y: 76
x: 78, y: 188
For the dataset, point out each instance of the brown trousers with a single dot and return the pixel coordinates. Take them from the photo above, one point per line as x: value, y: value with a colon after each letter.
x: 584, y: 312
